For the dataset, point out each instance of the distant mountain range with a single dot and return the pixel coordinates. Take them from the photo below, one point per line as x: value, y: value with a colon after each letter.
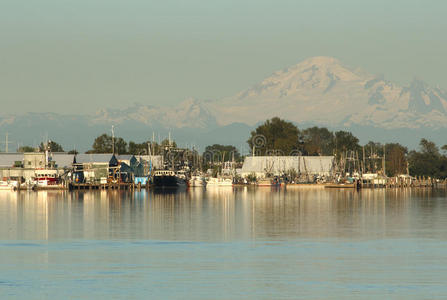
x: 323, y: 91
x: 318, y: 91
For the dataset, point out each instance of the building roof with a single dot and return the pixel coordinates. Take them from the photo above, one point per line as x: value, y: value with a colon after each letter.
x: 100, y: 157
x: 281, y: 164
x: 63, y: 160
x: 7, y: 160
x: 93, y: 158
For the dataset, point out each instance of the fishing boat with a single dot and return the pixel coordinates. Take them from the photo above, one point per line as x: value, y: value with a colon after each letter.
x: 341, y: 185
x: 197, y: 181
x: 9, y: 185
x: 47, y: 179
x: 168, y: 179
x: 219, y: 181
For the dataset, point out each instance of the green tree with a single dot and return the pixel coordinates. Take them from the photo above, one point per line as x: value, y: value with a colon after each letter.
x: 274, y: 137
x: 120, y: 146
x: 26, y: 149
x: 317, y: 141
x: 444, y: 148
x: 395, y: 159
x: 138, y: 148
x: 345, y: 141
x: 142, y: 148
x: 54, y: 147
x: 218, y: 152
x: 103, y: 144
x: 428, y: 161
x: 429, y: 148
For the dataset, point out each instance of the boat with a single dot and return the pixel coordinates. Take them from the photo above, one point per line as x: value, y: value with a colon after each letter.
x: 8, y: 185
x: 197, y: 181
x: 341, y: 185
x: 219, y: 181
x: 47, y: 178
x: 305, y: 185
x: 168, y: 179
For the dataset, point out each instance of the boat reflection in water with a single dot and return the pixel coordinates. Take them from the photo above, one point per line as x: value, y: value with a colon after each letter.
x: 213, y: 213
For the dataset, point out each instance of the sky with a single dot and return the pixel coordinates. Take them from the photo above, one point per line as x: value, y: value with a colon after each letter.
x: 83, y: 55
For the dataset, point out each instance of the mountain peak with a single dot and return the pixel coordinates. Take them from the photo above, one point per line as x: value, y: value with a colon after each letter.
x: 320, y: 61
x: 323, y: 90
x: 320, y: 67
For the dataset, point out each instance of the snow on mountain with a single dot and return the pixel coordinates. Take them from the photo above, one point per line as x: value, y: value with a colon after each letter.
x: 323, y: 91
x: 318, y: 91
x: 190, y: 113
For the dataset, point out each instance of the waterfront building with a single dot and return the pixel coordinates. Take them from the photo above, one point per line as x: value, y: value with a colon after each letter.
x: 23, y: 166
x: 280, y: 165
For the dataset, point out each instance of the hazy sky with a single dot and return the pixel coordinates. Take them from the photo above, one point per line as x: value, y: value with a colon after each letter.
x: 81, y: 55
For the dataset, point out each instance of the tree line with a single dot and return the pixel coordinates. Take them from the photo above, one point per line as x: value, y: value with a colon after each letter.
x: 279, y: 137
x: 107, y: 144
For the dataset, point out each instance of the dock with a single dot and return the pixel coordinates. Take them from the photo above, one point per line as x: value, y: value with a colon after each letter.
x: 106, y: 186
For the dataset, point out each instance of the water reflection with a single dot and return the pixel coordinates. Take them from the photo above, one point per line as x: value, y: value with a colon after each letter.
x: 223, y: 214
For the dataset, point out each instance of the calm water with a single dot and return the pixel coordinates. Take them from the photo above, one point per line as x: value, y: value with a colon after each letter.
x: 224, y: 244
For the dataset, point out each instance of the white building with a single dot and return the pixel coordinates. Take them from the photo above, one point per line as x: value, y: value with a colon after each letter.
x: 279, y: 165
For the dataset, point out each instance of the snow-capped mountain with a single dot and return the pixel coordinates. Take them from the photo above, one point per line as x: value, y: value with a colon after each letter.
x: 190, y: 113
x: 321, y: 90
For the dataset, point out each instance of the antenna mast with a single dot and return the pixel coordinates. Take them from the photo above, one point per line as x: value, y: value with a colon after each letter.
x: 6, y: 142
x: 113, y: 139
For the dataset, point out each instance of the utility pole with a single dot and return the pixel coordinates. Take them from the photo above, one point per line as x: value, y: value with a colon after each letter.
x: 113, y: 140
x: 7, y: 142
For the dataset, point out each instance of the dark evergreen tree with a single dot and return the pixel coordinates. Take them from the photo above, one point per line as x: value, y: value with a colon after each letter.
x: 275, y: 137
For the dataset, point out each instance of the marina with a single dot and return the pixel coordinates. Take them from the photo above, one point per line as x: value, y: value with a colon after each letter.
x: 61, y: 171
x: 312, y: 162
x: 225, y: 150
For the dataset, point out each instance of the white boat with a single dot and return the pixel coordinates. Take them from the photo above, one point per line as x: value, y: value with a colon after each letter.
x: 197, y: 181
x: 47, y: 178
x: 219, y: 181
x: 9, y: 185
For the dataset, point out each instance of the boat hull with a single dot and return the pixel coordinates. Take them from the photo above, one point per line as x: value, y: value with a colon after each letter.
x: 168, y: 182
x: 340, y: 186
x: 212, y: 182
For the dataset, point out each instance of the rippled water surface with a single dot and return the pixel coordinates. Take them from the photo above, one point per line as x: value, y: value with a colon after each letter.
x: 224, y: 244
